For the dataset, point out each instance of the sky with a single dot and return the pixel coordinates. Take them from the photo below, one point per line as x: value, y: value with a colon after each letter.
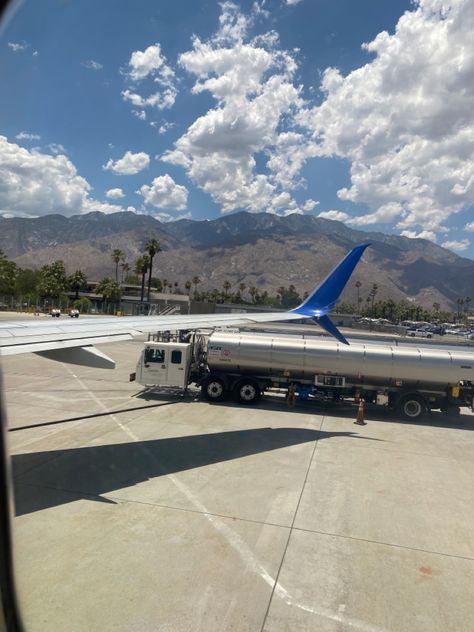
x: 362, y: 112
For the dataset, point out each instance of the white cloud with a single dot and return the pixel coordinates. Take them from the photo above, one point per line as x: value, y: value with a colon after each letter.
x: 27, y: 136
x: 165, y: 193
x: 252, y: 84
x: 165, y: 127
x: 469, y: 227
x: 405, y: 120
x: 292, y: 2
x: 129, y: 164
x: 160, y: 100
x: 423, y: 234
x: 115, y: 194
x: 56, y: 148
x: 461, y: 245
x: 36, y: 184
x: 92, y: 65
x: 140, y: 114
x: 35, y: 53
x: 18, y: 47
x: 151, y: 64
x: 340, y: 216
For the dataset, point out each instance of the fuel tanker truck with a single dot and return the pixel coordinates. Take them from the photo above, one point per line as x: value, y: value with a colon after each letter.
x: 409, y: 378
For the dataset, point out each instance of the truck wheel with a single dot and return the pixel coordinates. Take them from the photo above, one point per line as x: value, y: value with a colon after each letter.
x: 214, y: 389
x: 247, y: 391
x: 412, y: 407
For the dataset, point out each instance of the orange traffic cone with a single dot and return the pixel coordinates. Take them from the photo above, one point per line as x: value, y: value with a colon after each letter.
x: 360, y: 414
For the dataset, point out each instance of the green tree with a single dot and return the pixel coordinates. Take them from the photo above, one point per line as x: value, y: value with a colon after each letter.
x: 77, y: 281
x: 460, y: 302
x: 187, y: 285
x: 53, y: 280
x: 196, y: 280
x: 141, y: 268
x: 152, y: 247
x: 372, y: 295
x: 109, y: 289
x: 117, y: 256
x: 226, y: 285
x: 8, y: 275
x: 125, y: 270
x: 26, y: 282
x: 358, y: 285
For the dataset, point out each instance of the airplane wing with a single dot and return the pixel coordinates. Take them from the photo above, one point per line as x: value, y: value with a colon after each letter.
x: 73, y: 341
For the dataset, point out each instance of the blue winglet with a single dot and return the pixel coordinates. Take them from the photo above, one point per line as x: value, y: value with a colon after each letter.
x: 323, y: 298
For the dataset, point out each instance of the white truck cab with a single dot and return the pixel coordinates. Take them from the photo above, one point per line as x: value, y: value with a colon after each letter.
x: 164, y: 364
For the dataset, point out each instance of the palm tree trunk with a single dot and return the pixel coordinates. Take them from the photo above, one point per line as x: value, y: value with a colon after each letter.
x: 149, y: 278
x: 143, y: 287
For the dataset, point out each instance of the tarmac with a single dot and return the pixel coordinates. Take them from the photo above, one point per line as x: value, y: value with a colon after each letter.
x: 139, y: 512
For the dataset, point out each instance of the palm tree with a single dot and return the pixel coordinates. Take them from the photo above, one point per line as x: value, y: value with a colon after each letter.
x: 253, y: 292
x: 358, y: 285
x: 125, y: 269
x: 164, y: 283
x: 152, y: 247
x: 77, y: 281
x: 141, y: 267
x: 196, y: 280
x: 117, y: 256
x: 372, y: 293
x: 226, y: 285
x: 467, y: 300
x: 460, y: 302
x: 187, y: 285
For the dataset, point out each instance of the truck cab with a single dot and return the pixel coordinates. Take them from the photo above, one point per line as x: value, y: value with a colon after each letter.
x: 164, y: 364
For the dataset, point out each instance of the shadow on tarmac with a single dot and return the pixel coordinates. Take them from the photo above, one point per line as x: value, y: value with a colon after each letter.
x: 61, y: 476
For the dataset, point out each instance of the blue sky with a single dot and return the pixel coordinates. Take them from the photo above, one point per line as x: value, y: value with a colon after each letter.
x: 357, y: 111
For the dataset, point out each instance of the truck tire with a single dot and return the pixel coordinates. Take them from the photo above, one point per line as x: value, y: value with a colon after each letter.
x: 214, y: 388
x: 247, y: 391
x: 412, y: 407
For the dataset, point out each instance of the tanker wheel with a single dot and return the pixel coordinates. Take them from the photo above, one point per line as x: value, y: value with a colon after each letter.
x: 214, y: 389
x: 412, y: 407
x: 247, y: 391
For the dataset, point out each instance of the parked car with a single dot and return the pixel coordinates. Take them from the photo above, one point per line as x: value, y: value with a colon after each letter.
x: 419, y: 333
x: 55, y: 312
x: 74, y: 313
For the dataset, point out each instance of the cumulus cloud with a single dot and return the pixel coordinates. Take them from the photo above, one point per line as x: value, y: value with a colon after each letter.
x: 92, y: 65
x: 151, y: 64
x: 423, y: 234
x: 340, y: 216
x: 469, y: 227
x: 115, y: 194
x: 35, y: 184
x: 252, y: 84
x: 129, y: 164
x: 27, y: 136
x: 461, y: 245
x: 405, y: 120
x: 18, y: 47
x: 165, y: 193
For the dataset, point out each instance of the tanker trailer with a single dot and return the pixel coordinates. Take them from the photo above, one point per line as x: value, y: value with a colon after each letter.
x: 412, y: 379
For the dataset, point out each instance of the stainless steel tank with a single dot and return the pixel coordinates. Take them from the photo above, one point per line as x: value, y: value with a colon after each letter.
x: 303, y: 358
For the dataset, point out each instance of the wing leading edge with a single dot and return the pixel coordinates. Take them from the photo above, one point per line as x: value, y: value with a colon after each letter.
x: 52, y: 339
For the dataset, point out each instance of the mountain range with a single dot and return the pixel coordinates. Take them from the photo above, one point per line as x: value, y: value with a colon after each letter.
x: 264, y: 250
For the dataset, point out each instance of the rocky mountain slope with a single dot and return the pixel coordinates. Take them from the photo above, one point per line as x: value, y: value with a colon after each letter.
x: 258, y: 249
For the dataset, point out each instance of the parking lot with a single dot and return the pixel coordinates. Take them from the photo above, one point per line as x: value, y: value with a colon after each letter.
x: 139, y: 513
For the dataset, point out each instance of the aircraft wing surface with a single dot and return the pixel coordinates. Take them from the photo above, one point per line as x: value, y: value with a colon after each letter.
x: 72, y: 341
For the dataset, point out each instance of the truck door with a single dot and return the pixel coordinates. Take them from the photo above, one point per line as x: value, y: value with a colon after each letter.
x: 177, y: 367
x: 155, y: 370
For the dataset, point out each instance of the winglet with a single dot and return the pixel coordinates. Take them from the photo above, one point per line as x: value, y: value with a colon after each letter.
x: 327, y: 324
x: 323, y: 298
